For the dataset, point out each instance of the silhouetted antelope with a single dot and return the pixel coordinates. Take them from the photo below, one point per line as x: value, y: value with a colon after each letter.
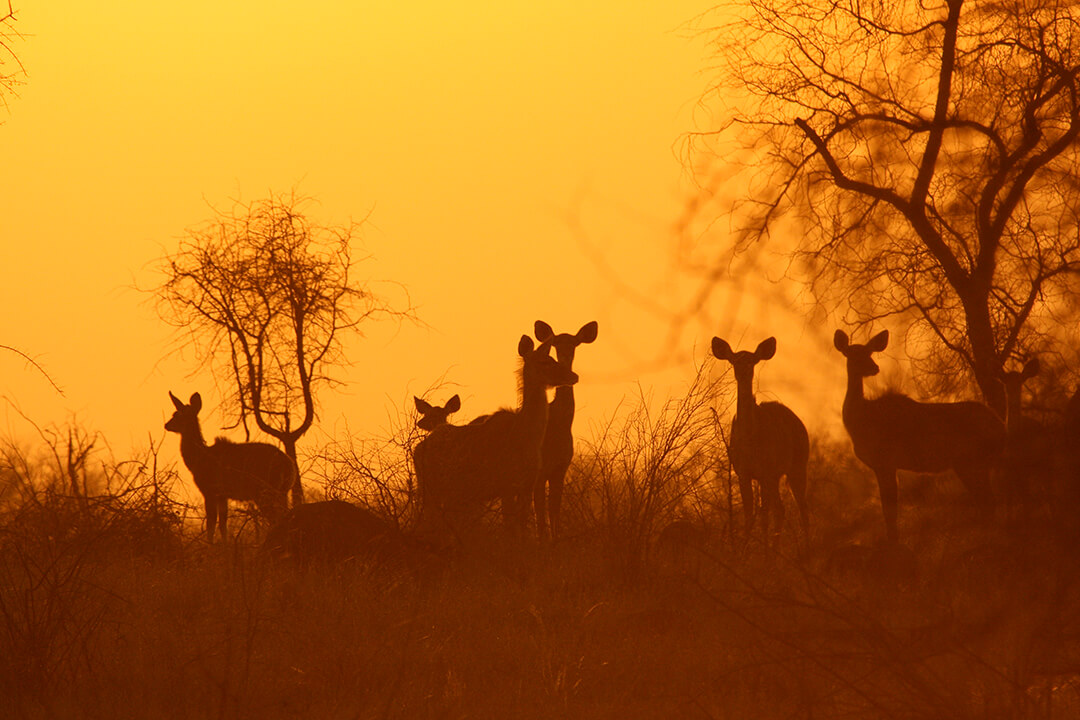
x: 461, y: 467
x: 330, y: 532
x: 226, y: 470
x: 558, y: 450
x: 432, y: 416
x: 894, y: 432
x: 767, y: 441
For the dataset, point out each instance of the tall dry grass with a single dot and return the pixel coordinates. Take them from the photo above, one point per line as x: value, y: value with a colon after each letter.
x: 111, y: 606
x: 373, y: 471
x: 647, y: 465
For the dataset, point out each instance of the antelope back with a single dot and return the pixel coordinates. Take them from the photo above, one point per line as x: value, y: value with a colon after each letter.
x: 929, y: 437
x: 895, y: 431
x: 330, y: 531
x: 500, y: 456
x: 246, y: 471
x: 469, y: 464
x: 774, y: 444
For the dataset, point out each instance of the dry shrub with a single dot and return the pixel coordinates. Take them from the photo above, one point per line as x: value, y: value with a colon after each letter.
x: 71, y: 512
x: 374, y: 472
x: 843, y: 492
x: 648, y: 464
x: 71, y: 489
x: 579, y: 628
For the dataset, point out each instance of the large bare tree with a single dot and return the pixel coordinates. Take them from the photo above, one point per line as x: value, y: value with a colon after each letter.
x: 265, y: 298
x: 917, y: 159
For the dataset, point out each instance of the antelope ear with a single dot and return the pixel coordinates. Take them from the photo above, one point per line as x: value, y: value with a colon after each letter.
x: 587, y: 333
x: 453, y: 404
x: 721, y: 350
x: 766, y: 349
x: 525, y: 345
x: 879, y: 342
x: 422, y: 406
x: 1031, y: 369
x: 196, y: 402
x: 542, y: 331
x: 176, y: 401
x: 840, y: 340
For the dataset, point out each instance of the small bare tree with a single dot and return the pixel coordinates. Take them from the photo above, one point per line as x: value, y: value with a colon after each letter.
x: 265, y: 298
x: 917, y: 160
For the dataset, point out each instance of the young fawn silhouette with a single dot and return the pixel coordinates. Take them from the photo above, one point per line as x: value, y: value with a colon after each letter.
x: 767, y: 441
x: 894, y: 432
x: 330, y: 532
x: 226, y: 470
x: 459, y: 468
x: 432, y: 416
x: 558, y: 449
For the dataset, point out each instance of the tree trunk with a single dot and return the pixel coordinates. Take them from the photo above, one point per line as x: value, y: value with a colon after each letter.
x: 289, y: 441
x: 985, y: 363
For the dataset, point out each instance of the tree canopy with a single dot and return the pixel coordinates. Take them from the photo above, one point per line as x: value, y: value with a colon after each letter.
x: 265, y: 298
x: 918, y: 161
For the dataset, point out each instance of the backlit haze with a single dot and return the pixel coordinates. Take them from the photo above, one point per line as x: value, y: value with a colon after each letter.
x: 513, y: 161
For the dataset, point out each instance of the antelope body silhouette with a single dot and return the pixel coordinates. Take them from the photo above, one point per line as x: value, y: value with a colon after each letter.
x: 432, y: 416
x: 558, y: 449
x: 226, y: 470
x: 459, y: 468
x: 768, y: 440
x: 331, y: 531
x: 894, y: 432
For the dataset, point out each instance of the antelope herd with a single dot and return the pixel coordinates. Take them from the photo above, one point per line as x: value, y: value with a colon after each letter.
x: 461, y: 467
x: 520, y: 456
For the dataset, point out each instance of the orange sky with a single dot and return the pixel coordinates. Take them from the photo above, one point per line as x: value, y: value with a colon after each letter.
x: 487, y: 141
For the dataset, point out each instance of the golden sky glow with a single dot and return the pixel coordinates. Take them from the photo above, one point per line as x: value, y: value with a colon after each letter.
x: 485, y: 141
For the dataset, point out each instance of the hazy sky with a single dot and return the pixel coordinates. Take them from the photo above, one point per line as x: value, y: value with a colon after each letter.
x: 498, y: 149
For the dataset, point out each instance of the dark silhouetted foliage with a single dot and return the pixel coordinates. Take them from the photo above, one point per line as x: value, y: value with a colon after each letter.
x: 916, y: 161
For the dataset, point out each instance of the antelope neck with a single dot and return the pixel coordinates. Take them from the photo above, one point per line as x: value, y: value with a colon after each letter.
x: 192, y: 445
x: 534, y: 404
x: 744, y: 400
x: 854, y: 394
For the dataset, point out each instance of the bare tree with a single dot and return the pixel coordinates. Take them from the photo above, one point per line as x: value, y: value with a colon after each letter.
x: 265, y: 297
x: 917, y: 160
x: 34, y: 364
x: 11, y: 69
